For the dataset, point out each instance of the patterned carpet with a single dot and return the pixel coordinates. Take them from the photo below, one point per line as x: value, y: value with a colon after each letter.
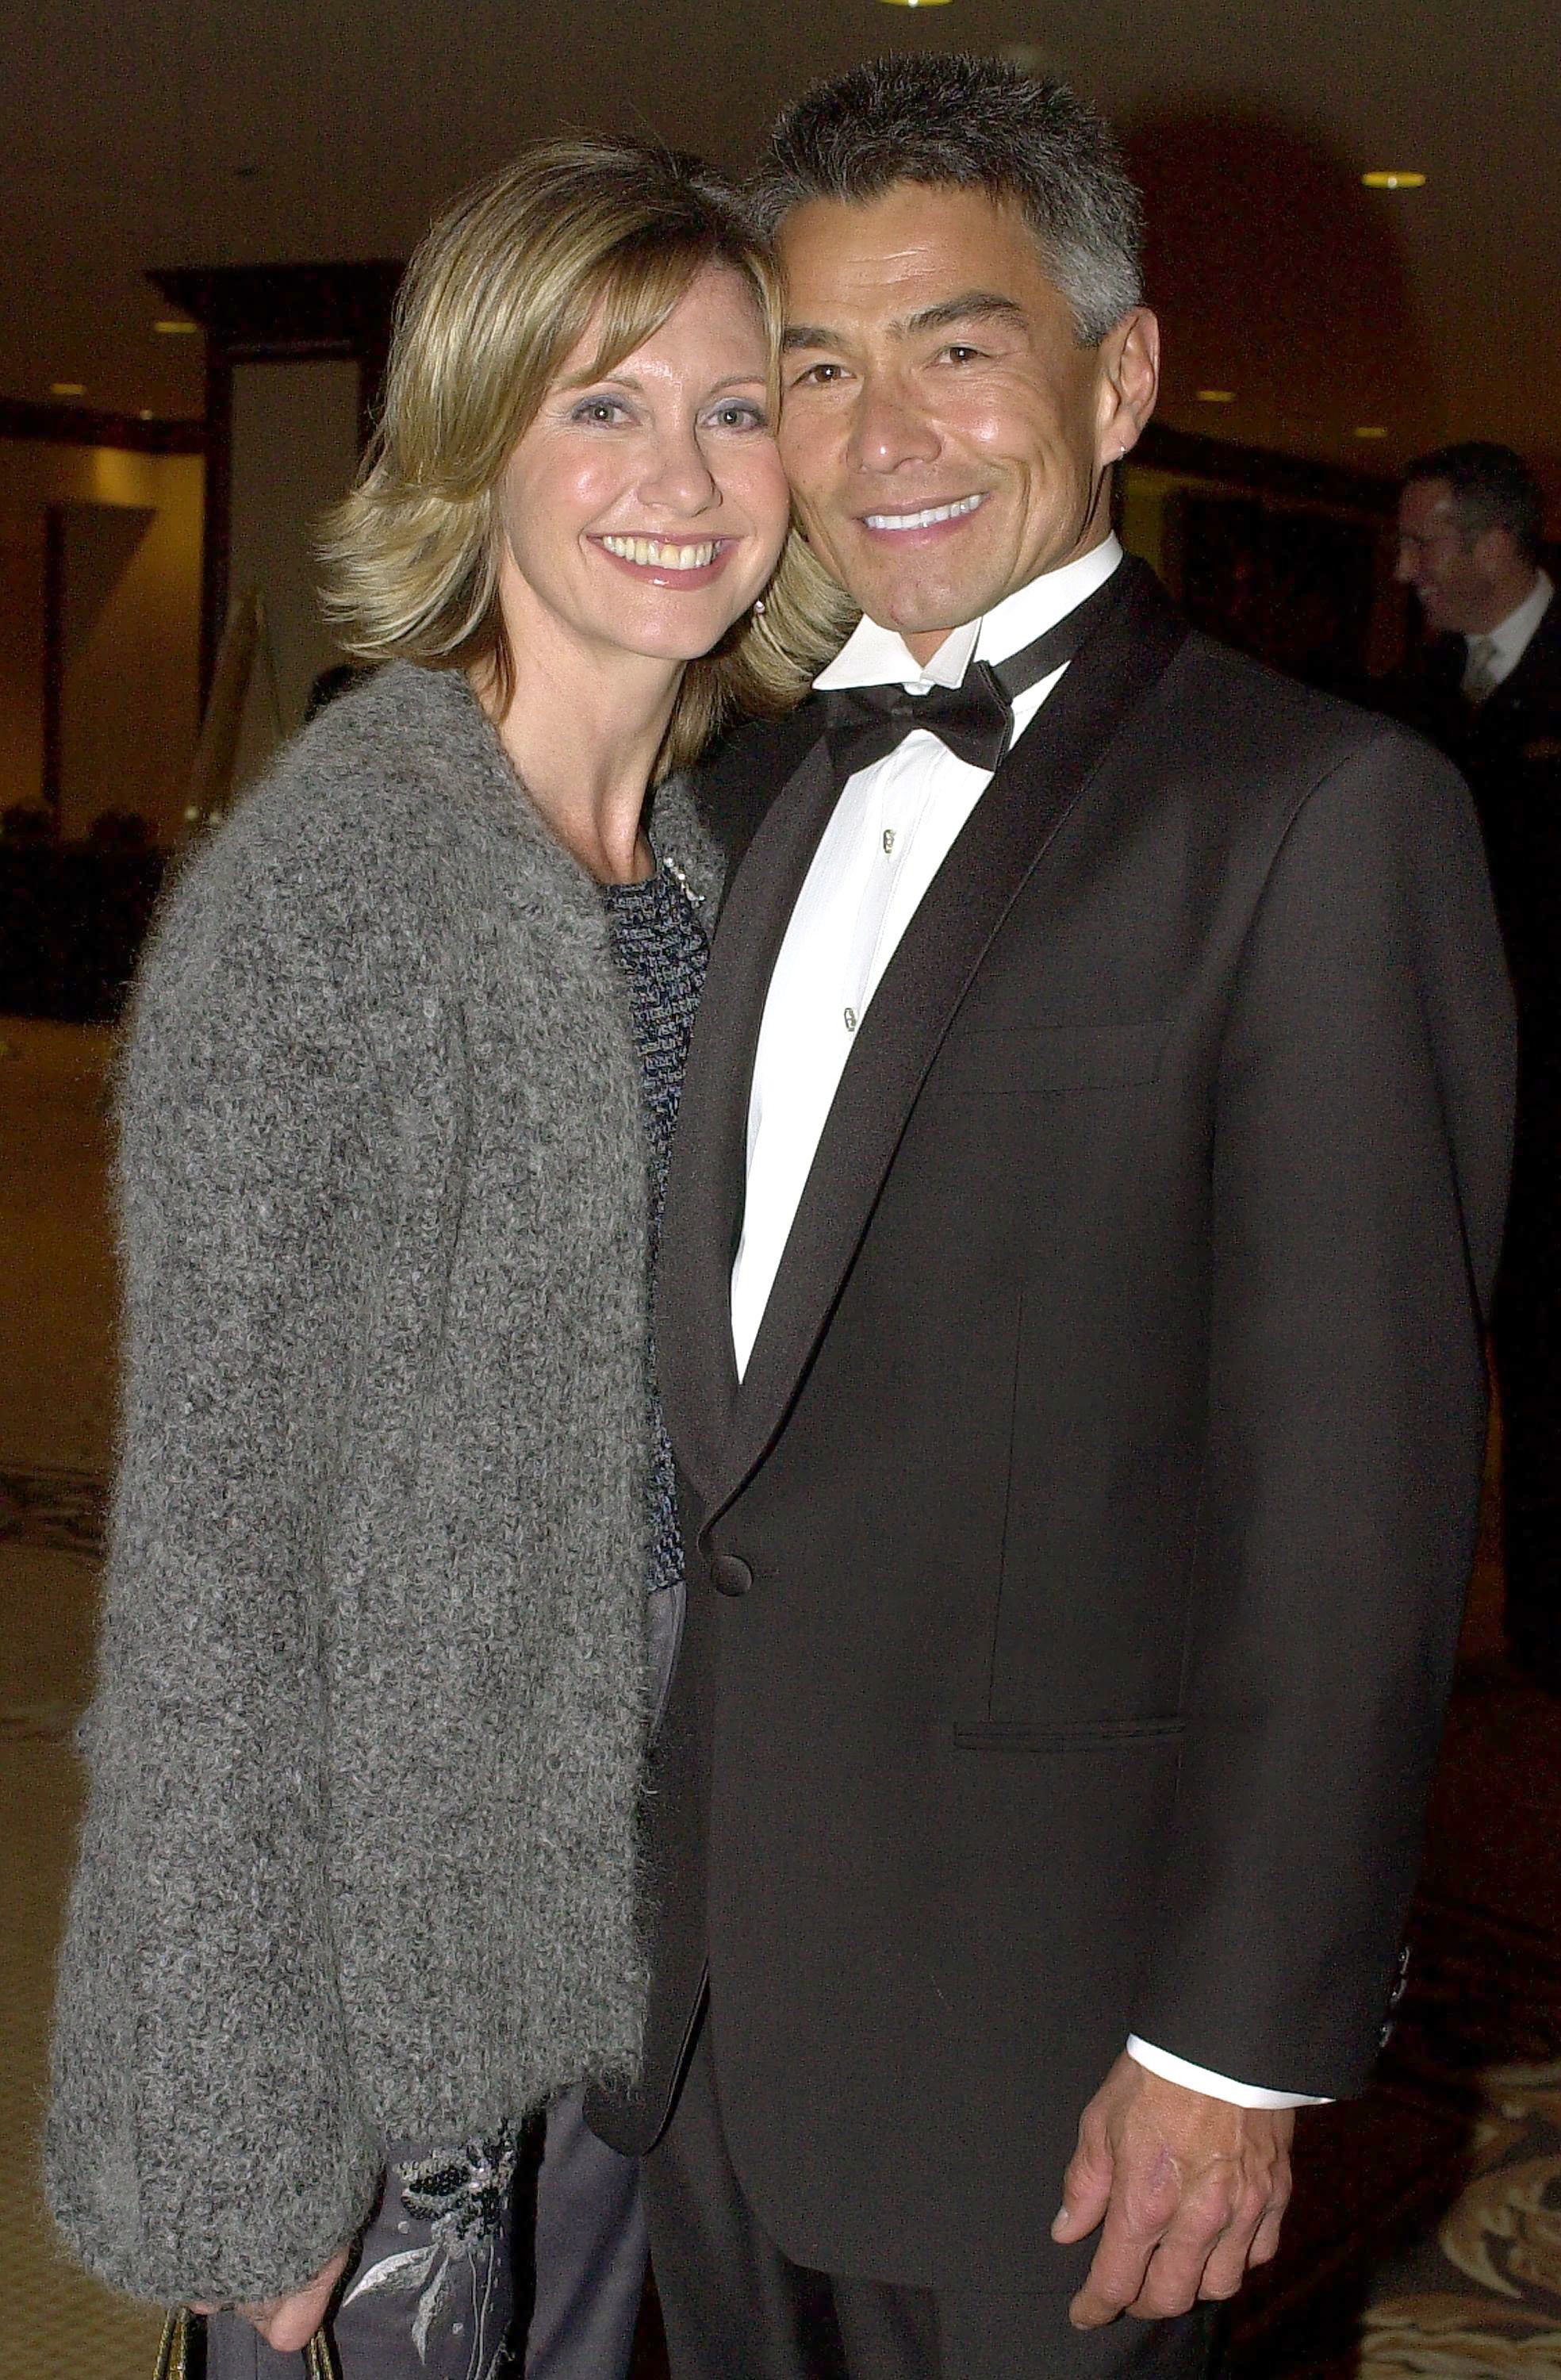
x: 1424, y: 2242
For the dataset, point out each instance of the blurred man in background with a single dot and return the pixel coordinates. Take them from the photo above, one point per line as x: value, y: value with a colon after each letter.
x: 1470, y: 523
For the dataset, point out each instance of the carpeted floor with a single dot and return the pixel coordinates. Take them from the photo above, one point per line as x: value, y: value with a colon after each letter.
x: 1424, y: 2242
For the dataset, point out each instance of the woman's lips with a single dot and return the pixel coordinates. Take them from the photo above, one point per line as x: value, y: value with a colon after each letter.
x: 669, y: 561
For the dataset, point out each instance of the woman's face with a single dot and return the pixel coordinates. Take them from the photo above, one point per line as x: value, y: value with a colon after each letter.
x: 642, y: 512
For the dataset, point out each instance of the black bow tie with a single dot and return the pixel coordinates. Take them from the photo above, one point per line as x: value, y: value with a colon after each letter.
x: 974, y: 719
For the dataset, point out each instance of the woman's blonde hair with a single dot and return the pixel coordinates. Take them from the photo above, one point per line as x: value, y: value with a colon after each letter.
x: 505, y: 286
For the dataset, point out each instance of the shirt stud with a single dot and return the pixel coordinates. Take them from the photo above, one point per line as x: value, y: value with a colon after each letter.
x: 888, y: 839
x: 851, y: 1020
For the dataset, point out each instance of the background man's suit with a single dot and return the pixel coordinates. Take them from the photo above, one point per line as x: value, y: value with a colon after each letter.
x: 1509, y: 748
x: 1075, y: 1573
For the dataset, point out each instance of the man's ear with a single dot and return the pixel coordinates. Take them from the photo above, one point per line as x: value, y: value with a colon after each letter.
x: 1129, y: 382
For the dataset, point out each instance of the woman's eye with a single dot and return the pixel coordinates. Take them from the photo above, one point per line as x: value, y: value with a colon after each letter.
x: 741, y: 417
x: 598, y: 409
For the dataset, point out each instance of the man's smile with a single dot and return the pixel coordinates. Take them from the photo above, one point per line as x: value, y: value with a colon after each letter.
x: 926, y: 517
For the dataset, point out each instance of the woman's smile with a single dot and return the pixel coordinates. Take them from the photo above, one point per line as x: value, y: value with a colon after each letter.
x: 669, y: 562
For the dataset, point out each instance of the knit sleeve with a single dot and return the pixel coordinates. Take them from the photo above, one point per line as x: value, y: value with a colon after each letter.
x: 204, y: 2140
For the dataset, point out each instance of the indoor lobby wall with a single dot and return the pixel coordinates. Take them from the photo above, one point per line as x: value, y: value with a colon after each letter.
x: 126, y: 633
x: 1149, y: 528
x: 21, y: 658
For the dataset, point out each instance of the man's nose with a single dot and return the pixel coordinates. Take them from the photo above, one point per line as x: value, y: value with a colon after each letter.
x: 1404, y: 566
x: 889, y: 428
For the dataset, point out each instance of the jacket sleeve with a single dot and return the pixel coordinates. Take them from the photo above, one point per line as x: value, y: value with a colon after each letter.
x: 1360, y: 1155
x: 203, y: 2138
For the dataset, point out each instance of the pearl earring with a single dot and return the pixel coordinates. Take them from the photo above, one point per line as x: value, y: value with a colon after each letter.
x: 758, y: 607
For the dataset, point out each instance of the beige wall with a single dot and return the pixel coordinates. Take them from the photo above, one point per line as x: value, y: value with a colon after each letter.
x: 295, y: 453
x: 132, y: 614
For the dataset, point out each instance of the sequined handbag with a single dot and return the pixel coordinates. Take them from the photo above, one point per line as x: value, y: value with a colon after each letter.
x: 176, y: 2362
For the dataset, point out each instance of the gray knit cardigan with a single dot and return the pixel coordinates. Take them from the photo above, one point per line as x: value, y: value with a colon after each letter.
x: 358, y: 1854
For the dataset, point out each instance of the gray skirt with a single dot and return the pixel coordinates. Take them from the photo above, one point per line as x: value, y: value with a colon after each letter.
x: 481, y: 2263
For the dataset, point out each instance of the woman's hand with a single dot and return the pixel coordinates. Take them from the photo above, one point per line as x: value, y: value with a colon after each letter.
x: 288, y: 2324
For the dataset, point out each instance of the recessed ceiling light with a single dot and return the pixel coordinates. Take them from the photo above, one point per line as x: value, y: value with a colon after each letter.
x: 175, y: 330
x: 146, y: 414
x: 1370, y: 430
x: 1393, y: 178
x: 1217, y: 397
x: 67, y: 388
x: 918, y: 4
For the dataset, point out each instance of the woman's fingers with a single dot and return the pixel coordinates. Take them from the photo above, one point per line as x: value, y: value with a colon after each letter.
x: 288, y: 2324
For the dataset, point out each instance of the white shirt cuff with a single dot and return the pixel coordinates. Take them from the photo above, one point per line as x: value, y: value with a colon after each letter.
x: 1214, y: 2086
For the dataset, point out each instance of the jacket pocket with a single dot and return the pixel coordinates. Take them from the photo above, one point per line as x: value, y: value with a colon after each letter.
x: 1022, y: 1058
x: 1022, y: 1735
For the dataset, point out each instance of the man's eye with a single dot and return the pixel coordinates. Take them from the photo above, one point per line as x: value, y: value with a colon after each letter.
x: 818, y: 375
x: 959, y: 352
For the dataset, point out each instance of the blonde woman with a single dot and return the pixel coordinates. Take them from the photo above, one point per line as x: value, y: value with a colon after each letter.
x: 394, y: 1567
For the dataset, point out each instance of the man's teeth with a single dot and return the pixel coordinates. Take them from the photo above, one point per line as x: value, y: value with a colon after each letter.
x: 924, y: 520
x: 650, y: 550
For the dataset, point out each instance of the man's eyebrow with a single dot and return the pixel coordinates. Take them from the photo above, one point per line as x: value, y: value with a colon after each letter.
x: 970, y: 306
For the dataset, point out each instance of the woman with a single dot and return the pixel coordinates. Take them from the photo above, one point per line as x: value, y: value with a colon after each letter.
x: 356, y: 1878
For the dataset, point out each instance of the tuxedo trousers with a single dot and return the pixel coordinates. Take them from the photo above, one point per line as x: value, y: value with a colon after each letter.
x: 736, y: 2308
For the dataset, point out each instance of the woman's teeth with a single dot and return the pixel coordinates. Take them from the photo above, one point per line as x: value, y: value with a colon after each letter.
x: 923, y: 519
x: 650, y: 550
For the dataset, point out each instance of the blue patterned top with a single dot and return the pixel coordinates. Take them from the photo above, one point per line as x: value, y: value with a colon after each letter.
x: 661, y: 948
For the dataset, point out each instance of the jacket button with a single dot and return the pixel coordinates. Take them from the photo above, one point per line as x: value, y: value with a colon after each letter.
x: 730, y: 1574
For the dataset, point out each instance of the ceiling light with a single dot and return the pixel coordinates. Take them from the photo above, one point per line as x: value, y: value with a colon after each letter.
x: 67, y: 388
x: 1217, y: 397
x: 1393, y: 178
x: 1370, y: 430
x: 175, y: 330
x: 147, y: 414
x: 918, y: 4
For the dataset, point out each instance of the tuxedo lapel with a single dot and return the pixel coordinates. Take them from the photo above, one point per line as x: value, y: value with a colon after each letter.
x: 911, y: 1012
x: 704, y: 1182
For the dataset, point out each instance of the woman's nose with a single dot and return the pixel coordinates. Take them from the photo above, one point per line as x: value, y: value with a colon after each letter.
x: 679, y: 477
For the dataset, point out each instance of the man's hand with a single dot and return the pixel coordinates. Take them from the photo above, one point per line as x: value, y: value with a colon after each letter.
x: 288, y: 2324
x: 1191, y: 2188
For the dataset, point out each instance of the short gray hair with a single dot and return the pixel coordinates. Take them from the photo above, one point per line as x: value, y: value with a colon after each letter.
x: 965, y: 122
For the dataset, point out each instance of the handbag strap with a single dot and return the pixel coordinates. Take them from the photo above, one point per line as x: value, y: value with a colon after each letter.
x: 322, y: 2359
x: 173, y: 2354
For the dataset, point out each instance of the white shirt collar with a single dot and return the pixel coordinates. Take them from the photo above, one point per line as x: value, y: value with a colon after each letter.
x: 877, y: 656
x: 1510, y: 637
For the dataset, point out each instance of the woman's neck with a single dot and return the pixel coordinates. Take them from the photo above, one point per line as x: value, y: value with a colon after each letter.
x: 582, y: 731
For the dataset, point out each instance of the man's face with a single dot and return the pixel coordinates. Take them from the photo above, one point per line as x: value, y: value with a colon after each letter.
x: 945, y: 434
x: 1446, y: 567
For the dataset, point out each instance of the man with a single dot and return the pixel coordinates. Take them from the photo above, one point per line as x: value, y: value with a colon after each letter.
x: 1091, y: 1159
x: 1470, y: 520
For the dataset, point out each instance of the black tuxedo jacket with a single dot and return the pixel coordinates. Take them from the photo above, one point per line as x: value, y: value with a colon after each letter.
x: 1074, y: 1577
x: 1509, y: 748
